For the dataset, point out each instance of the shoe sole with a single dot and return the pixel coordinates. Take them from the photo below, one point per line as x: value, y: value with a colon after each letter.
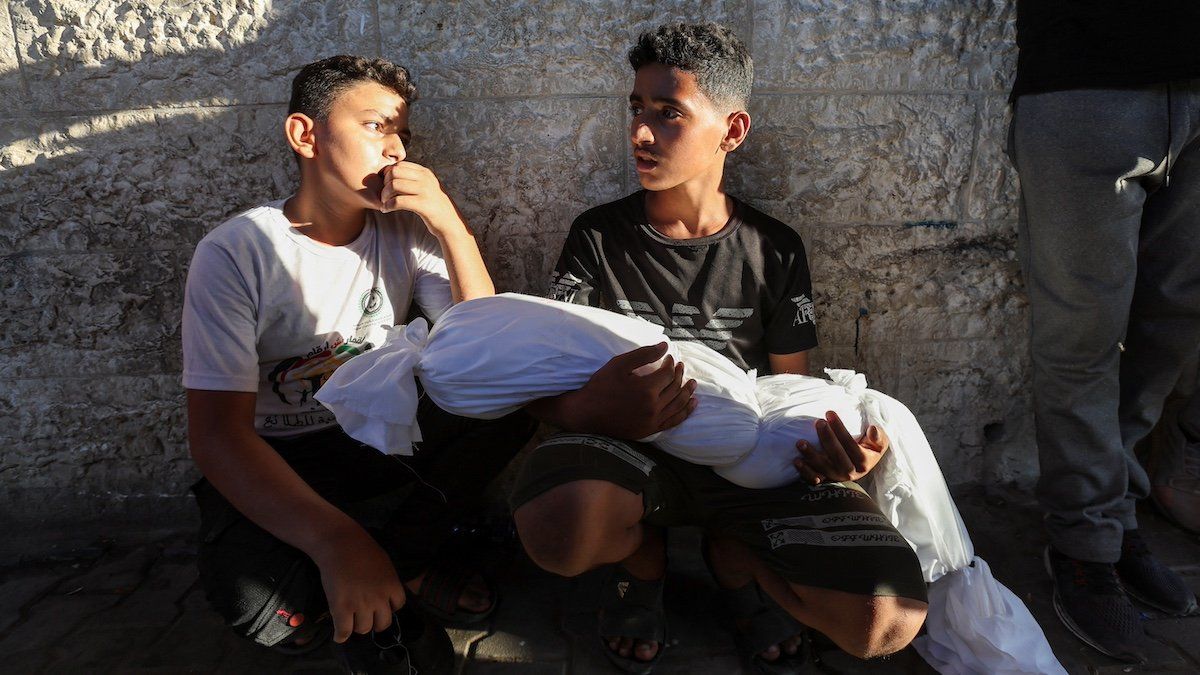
x: 1153, y: 605
x: 1070, y: 623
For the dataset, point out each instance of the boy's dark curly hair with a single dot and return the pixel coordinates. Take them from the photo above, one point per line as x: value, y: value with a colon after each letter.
x: 719, y: 59
x: 318, y: 84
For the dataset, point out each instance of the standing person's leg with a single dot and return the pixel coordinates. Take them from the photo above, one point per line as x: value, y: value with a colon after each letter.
x: 1087, y: 161
x: 1164, y: 325
x: 1172, y: 453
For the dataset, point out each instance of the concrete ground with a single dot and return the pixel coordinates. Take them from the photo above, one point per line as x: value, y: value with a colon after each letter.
x: 134, y: 607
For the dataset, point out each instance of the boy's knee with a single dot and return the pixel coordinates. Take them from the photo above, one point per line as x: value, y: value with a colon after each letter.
x: 566, y: 529
x: 888, y: 624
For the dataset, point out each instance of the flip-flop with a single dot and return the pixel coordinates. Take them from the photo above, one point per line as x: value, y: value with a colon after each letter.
x: 760, y: 623
x: 439, y: 593
x: 632, y: 608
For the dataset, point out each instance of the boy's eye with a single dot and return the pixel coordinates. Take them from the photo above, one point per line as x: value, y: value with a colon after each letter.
x: 671, y: 113
x: 374, y: 126
x: 635, y: 110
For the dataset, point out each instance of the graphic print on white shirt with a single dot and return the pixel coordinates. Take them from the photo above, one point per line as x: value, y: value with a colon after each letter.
x: 271, y: 311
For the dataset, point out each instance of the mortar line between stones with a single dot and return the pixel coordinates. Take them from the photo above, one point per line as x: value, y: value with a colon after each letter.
x: 164, y: 107
x: 769, y: 93
x: 12, y: 25
x: 17, y: 253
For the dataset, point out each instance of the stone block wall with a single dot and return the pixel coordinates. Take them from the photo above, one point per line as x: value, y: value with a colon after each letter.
x: 129, y: 129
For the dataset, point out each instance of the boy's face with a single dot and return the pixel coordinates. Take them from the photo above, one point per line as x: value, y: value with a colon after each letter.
x: 365, y: 132
x: 676, y: 130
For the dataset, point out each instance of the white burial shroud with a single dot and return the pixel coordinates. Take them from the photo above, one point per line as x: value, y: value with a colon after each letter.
x: 490, y: 356
x: 975, y: 624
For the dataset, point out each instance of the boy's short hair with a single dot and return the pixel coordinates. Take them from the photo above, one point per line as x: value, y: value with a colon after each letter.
x: 318, y: 84
x: 714, y: 54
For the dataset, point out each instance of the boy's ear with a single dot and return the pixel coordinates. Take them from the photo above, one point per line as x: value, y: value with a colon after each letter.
x: 300, y: 130
x: 738, y: 128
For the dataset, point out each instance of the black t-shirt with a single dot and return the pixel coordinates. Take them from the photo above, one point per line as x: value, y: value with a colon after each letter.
x: 744, y: 291
x: 1103, y: 44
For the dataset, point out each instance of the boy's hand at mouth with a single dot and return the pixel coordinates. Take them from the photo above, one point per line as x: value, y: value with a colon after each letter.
x: 412, y: 187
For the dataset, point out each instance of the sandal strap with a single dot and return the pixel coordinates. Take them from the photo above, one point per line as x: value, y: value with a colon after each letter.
x: 765, y: 622
x: 632, y: 607
x: 442, y: 588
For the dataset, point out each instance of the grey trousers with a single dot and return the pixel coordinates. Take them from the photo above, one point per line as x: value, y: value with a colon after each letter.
x: 1110, y: 251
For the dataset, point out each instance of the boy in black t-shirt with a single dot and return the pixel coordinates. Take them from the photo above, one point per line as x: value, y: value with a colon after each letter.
x: 709, y: 268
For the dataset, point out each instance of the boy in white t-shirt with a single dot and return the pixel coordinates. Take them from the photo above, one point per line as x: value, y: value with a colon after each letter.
x: 277, y: 298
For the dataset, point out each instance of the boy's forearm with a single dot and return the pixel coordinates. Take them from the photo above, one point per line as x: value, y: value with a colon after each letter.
x: 261, y: 485
x: 469, y: 277
x: 562, y: 411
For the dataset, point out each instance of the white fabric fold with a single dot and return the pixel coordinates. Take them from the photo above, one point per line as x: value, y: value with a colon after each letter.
x: 488, y: 357
x: 374, y: 395
x: 724, y: 426
x: 789, y: 405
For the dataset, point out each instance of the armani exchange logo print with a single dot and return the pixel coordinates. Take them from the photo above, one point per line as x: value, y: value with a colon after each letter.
x: 804, y: 310
x: 564, y: 287
x: 685, y: 322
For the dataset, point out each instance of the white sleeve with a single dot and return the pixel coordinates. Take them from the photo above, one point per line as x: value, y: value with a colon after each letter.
x: 220, y: 350
x: 431, y: 285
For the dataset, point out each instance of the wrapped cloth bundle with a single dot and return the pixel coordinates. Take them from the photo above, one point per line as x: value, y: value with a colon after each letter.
x: 975, y: 624
x: 490, y: 356
x: 790, y: 404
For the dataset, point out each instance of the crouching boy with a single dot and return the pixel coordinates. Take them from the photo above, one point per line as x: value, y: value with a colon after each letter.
x: 306, y: 532
x: 708, y: 267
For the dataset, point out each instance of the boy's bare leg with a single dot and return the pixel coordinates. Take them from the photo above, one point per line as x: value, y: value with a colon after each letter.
x: 579, y: 526
x: 733, y: 567
x: 864, y: 626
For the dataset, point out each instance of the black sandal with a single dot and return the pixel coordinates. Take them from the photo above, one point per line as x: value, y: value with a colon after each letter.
x: 441, y: 589
x: 760, y: 623
x: 632, y: 608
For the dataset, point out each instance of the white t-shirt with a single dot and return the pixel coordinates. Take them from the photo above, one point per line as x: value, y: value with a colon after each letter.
x: 272, y: 311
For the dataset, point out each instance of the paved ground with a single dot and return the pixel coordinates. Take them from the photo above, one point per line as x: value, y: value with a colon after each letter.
x: 120, y: 607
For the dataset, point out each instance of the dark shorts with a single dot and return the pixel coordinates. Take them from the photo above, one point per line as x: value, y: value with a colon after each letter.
x: 270, y: 592
x: 830, y: 536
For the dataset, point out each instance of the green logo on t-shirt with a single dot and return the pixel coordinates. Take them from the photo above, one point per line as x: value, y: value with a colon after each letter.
x: 371, y: 302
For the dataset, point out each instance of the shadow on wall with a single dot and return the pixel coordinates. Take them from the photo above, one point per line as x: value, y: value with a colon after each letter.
x: 114, y: 166
x: 112, y: 170
x: 129, y: 131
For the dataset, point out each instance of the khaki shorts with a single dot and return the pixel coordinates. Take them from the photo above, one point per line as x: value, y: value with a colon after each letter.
x: 829, y: 536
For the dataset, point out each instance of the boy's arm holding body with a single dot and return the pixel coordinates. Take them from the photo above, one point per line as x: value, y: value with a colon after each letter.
x: 619, y: 403
x: 842, y: 457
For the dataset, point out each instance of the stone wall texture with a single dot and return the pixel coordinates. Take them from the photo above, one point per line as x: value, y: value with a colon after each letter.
x: 130, y: 129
